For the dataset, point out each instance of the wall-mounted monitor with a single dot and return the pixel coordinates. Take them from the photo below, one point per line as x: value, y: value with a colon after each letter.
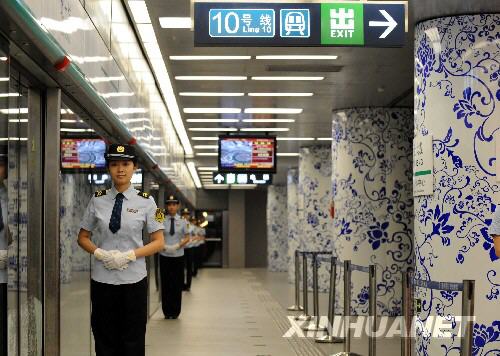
x: 82, y: 154
x: 255, y: 154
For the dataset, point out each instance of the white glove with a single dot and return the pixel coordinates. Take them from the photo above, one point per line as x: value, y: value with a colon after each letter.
x: 172, y: 248
x: 120, y: 260
x: 3, y: 259
x: 103, y: 255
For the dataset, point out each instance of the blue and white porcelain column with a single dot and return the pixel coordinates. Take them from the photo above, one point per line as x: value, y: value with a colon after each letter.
x: 372, y: 193
x: 457, y: 73
x: 277, y: 229
x: 315, y: 170
x: 292, y: 220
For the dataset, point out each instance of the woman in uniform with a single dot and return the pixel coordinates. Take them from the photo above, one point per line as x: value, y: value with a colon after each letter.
x: 172, y: 260
x: 111, y: 230
x: 188, y: 252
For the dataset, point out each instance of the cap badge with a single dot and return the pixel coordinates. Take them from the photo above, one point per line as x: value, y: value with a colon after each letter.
x: 120, y: 149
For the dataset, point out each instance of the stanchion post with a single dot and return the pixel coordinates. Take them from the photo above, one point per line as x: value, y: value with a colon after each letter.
x: 467, y: 314
x: 305, y: 289
x: 372, y: 311
x: 332, y: 291
x: 347, y: 305
x: 406, y: 311
x: 297, y: 306
x: 315, y: 289
x: 330, y: 338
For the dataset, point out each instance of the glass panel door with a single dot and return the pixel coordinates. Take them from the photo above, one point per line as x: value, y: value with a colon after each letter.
x: 20, y: 179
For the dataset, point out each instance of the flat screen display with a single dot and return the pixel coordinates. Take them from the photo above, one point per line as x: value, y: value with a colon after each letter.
x: 79, y: 153
x: 247, y: 154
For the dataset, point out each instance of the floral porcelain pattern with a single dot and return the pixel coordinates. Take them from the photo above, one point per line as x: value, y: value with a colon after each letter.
x: 277, y: 229
x: 292, y: 220
x: 457, y: 69
x: 372, y: 191
x: 315, y: 170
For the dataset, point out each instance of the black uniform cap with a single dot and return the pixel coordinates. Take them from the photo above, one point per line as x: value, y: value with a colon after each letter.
x: 186, y: 211
x: 118, y: 152
x: 172, y: 199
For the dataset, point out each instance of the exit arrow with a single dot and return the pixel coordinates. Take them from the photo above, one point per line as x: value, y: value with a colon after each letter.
x: 219, y: 178
x: 390, y: 24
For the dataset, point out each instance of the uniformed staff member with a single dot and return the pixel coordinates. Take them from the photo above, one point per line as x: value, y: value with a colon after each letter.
x: 196, y: 245
x: 172, y: 260
x: 198, y: 251
x: 495, y: 231
x: 116, y: 218
x: 202, y: 246
x: 5, y: 240
x: 188, y: 252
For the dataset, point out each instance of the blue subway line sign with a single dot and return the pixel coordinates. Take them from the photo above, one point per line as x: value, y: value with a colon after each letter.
x: 241, y: 23
x: 350, y: 23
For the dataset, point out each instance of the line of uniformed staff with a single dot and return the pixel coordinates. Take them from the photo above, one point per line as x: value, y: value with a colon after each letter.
x: 111, y: 230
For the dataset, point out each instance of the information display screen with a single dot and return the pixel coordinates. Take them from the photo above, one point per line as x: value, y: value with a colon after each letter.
x: 247, y: 154
x: 82, y: 153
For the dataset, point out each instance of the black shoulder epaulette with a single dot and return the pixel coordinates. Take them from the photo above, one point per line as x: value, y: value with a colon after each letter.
x: 144, y: 195
x: 100, y: 193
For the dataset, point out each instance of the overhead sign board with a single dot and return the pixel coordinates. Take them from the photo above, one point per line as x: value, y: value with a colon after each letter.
x: 373, y: 24
x: 242, y: 178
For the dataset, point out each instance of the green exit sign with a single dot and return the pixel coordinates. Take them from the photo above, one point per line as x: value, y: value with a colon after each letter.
x: 342, y: 24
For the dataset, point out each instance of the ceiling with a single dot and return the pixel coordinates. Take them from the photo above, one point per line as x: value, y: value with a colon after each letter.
x: 359, y: 77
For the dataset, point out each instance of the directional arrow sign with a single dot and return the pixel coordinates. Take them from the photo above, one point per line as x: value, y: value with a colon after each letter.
x: 219, y: 179
x: 390, y: 24
x: 384, y: 25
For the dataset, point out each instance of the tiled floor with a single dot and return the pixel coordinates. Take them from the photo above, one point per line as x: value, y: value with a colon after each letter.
x: 237, y: 312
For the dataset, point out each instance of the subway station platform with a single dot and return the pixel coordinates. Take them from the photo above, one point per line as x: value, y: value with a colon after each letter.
x: 241, y: 312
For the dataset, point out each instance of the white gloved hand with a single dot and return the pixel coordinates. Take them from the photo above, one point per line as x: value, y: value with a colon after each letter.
x: 120, y: 260
x: 172, y: 248
x: 102, y: 255
x: 3, y: 259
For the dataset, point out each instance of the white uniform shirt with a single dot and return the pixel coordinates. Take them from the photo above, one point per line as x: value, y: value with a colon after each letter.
x: 190, y: 226
x: 138, y: 209
x: 180, y: 231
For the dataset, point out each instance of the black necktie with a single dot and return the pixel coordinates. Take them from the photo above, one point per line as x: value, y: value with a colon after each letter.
x: 1, y: 218
x: 116, y: 215
x: 172, y: 226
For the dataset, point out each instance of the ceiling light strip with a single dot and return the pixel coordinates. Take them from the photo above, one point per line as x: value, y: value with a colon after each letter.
x: 281, y: 94
x: 209, y: 58
x: 209, y: 94
x: 265, y: 129
x: 175, y: 22
x: 269, y: 120
x: 212, y: 120
x: 286, y: 78
x: 212, y: 110
x: 295, y: 138
x: 215, y: 129
x: 297, y: 57
x: 210, y: 77
x: 163, y: 79
x: 194, y: 174
x: 273, y: 110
